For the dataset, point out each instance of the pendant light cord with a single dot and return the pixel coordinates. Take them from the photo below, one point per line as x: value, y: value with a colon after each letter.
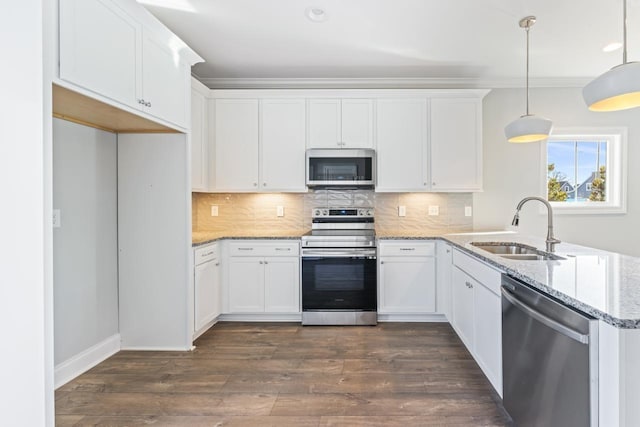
x: 527, y: 30
x: 624, y: 32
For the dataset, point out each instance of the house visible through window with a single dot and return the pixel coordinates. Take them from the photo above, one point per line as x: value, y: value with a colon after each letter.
x: 585, y: 171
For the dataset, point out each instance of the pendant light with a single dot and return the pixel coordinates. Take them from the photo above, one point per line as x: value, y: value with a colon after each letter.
x: 618, y: 88
x: 528, y: 128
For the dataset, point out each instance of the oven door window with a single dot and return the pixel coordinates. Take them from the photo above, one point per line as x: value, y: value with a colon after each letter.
x: 339, y: 284
x: 340, y: 169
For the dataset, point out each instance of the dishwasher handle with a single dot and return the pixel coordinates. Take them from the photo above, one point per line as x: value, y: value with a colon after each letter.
x: 556, y: 326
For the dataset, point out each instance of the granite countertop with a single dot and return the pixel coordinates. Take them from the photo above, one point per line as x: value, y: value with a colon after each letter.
x: 604, y: 284
x: 200, y: 238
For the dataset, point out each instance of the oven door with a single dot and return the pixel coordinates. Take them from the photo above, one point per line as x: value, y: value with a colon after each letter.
x: 334, y: 280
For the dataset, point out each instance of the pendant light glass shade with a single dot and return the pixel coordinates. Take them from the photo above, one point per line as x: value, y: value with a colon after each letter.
x: 619, y: 88
x: 529, y: 127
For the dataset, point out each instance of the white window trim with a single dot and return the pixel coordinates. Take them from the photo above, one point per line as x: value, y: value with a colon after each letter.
x: 616, y: 161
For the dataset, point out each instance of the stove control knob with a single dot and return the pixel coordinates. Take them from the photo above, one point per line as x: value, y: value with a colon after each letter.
x: 369, y: 212
x: 316, y: 212
x: 325, y: 212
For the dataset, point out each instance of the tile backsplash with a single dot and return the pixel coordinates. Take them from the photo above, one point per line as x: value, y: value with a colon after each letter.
x: 257, y: 211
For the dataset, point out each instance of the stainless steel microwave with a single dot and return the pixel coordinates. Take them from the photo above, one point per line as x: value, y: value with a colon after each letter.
x: 327, y: 167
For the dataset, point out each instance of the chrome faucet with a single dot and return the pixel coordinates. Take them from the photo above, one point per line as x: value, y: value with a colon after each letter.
x: 551, y: 241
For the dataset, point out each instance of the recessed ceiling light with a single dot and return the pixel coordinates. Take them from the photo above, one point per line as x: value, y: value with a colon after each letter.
x: 316, y: 14
x: 612, y: 47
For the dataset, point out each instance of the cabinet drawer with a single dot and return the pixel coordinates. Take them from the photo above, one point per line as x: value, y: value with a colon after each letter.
x: 480, y: 271
x: 205, y: 253
x: 287, y: 248
x: 408, y: 248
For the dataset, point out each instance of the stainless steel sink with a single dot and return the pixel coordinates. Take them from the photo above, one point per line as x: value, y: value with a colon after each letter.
x: 516, y: 251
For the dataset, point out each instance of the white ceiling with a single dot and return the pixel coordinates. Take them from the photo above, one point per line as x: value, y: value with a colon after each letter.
x: 443, y: 42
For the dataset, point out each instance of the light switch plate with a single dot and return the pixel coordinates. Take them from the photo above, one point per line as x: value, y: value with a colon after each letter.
x: 468, y: 211
x: 280, y: 210
x: 434, y: 210
x: 214, y: 210
x: 402, y: 211
x: 56, y: 218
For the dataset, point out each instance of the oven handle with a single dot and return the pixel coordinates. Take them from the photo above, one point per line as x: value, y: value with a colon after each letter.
x: 365, y: 253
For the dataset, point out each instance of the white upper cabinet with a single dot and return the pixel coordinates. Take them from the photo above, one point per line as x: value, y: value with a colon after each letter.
x: 236, y: 131
x: 456, y: 144
x: 340, y: 123
x: 100, y: 49
x: 199, y: 138
x: 165, y: 79
x: 401, y: 133
x: 282, y: 137
x: 108, y: 48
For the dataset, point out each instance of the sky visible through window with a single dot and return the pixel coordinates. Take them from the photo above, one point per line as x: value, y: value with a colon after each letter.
x: 577, y: 164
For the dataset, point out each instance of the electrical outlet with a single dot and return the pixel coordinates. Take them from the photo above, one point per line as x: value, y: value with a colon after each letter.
x: 402, y: 211
x: 279, y: 210
x: 56, y: 218
x: 434, y: 210
x: 468, y: 211
x: 214, y: 210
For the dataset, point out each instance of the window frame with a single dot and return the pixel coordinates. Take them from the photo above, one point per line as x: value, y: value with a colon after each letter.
x: 616, y: 138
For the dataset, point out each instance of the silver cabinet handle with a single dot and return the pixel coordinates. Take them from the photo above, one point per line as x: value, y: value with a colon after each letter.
x: 407, y: 249
x: 141, y: 101
x: 448, y: 251
x: 433, y: 183
x: 266, y: 263
x: 469, y: 285
x: 255, y: 184
x: 217, y: 263
x: 425, y: 184
x: 260, y: 262
x: 147, y: 104
x: 558, y: 327
x: 245, y: 249
x: 283, y: 249
x: 264, y: 184
x: 381, y: 262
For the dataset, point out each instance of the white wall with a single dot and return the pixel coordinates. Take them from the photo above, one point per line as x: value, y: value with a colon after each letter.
x: 85, y: 246
x: 26, y: 394
x: 512, y: 171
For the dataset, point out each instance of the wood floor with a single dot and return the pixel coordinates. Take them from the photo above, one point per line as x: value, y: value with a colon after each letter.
x: 256, y: 374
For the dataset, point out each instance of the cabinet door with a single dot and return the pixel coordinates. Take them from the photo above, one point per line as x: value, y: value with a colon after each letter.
x: 100, y: 49
x: 165, y: 82
x: 199, y: 142
x: 207, y: 296
x: 463, y: 306
x: 236, y: 144
x: 401, y: 129
x: 444, y: 269
x: 407, y: 285
x: 488, y: 334
x: 246, y: 285
x: 282, y: 284
x: 357, y: 123
x: 456, y: 144
x: 282, y: 136
x: 324, y: 123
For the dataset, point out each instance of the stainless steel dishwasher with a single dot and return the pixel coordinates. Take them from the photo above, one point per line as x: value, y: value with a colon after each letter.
x: 549, y: 360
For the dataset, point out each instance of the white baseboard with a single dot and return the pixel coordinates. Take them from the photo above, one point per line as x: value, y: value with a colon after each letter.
x: 205, y: 328
x: 262, y: 317
x: 151, y: 348
x: 410, y: 317
x: 82, y: 362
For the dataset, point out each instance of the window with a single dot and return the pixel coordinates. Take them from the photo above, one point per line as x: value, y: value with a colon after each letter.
x: 585, y: 170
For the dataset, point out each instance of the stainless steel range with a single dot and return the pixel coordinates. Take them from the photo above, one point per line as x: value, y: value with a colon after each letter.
x: 339, y: 271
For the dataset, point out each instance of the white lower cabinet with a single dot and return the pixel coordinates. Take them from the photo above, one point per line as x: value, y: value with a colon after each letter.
x: 207, y: 289
x: 264, y: 278
x: 477, y: 313
x: 407, y: 278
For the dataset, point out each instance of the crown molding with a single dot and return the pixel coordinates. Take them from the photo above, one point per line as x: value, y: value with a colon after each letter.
x: 389, y: 83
